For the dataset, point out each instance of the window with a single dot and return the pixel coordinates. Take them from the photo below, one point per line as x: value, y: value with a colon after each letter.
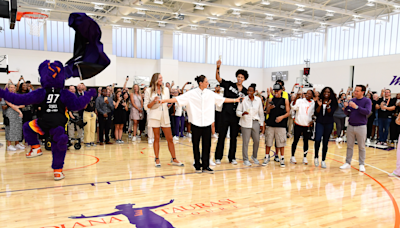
x: 123, y: 42
x: 60, y: 37
x: 366, y: 39
x: 293, y: 51
x: 148, y: 44
x: 189, y: 48
x: 19, y: 37
x: 235, y: 52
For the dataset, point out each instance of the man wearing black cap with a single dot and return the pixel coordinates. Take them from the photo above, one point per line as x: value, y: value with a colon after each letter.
x: 228, y: 114
x: 279, y: 110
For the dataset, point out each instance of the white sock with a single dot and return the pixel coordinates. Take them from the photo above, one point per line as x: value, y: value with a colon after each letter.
x: 282, y: 157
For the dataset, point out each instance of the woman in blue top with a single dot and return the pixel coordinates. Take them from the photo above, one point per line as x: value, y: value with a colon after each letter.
x: 325, y: 107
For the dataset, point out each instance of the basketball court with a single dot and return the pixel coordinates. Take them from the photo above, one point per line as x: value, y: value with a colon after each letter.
x: 100, y: 178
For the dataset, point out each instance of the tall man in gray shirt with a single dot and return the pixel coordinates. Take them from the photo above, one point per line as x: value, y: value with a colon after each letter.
x: 104, y: 106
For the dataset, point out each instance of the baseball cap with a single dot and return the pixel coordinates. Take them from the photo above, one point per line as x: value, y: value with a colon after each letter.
x: 277, y: 86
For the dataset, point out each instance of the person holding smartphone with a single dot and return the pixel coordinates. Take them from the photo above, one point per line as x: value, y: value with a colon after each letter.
x: 385, y: 106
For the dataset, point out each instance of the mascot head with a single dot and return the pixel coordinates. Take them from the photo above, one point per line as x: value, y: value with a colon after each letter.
x: 52, y: 74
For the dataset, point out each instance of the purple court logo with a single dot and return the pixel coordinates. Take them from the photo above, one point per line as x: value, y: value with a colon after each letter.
x: 395, y: 81
x: 141, y: 217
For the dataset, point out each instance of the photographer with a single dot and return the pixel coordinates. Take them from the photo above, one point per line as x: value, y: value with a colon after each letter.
x: 104, y: 107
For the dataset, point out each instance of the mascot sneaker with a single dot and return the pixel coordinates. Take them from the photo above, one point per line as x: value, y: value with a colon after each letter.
x: 58, y: 174
x: 35, y: 152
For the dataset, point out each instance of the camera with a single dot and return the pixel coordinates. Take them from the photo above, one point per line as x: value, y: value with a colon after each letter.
x: 189, y: 83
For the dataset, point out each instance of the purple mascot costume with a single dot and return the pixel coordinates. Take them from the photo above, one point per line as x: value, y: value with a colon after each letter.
x: 89, y: 60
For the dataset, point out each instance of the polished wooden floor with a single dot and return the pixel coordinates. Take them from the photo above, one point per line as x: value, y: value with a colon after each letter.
x: 100, y: 178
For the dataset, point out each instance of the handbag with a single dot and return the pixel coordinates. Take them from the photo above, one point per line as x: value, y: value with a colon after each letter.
x: 6, y: 120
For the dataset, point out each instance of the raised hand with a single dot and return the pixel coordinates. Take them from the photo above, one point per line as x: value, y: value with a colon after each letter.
x: 346, y: 104
x: 352, y: 104
x: 319, y: 102
x: 219, y: 63
x: 329, y: 102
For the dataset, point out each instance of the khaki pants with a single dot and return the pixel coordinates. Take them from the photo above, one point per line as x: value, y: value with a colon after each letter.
x: 90, y: 128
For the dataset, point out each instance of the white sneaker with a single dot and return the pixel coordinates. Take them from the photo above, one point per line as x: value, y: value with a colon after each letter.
x: 316, y: 162
x: 176, y: 138
x: 323, y: 164
x: 368, y: 141
x: 305, y: 161
x: 212, y: 163
x: 234, y: 162
x: 133, y: 138
x: 246, y: 163
x: 282, y: 162
x: 150, y: 141
x: 11, y: 148
x: 34, y: 152
x: 362, y: 168
x: 120, y: 141
x: 293, y: 160
x: 266, y: 160
x: 19, y: 147
x: 218, y: 161
x: 261, y: 136
x: 345, y: 166
x: 189, y: 135
x: 255, y: 160
x: 215, y: 136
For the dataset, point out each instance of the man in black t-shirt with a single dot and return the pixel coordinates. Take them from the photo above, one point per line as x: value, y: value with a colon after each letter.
x: 385, y: 107
x: 228, y: 114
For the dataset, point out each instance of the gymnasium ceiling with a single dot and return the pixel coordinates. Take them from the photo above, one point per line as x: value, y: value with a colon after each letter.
x: 258, y: 19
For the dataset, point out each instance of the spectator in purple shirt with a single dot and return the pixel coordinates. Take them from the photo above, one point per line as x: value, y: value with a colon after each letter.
x: 358, y: 110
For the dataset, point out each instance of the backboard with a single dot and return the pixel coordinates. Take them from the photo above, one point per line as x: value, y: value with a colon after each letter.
x: 142, y: 81
x: 4, y: 64
x: 8, y: 9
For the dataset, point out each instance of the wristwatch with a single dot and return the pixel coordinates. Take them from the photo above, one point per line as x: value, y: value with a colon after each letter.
x: 357, y: 107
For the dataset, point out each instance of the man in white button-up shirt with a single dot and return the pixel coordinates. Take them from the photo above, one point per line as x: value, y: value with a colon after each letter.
x: 200, y: 104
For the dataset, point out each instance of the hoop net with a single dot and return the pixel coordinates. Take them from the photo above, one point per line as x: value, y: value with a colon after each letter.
x: 35, y: 22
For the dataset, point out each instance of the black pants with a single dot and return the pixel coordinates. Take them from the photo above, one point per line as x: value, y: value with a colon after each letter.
x: 306, y: 134
x: 217, y: 121
x: 104, y: 127
x: 203, y: 133
x: 394, y: 130
x: 339, y: 121
x: 233, y: 123
x: 369, y: 126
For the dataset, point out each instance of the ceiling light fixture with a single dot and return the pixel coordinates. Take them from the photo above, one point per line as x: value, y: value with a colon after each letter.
x: 330, y: 13
x: 244, y: 24
x: 370, y: 3
x: 206, y: 36
x: 269, y: 17
x: 356, y: 18
x: 298, y: 21
x: 301, y: 7
x: 178, y: 33
x: 161, y: 24
x: 249, y: 33
x: 158, y: 2
x: 236, y: 12
x: 199, y: 6
x: 51, y: 1
x: 193, y: 27
x: 271, y: 28
x: 265, y: 2
x: 127, y: 20
x: 213, y: 20
x: 140, y: 11
x: 323, y: 25
x: 223, y: 31
x: 98, y: 6
x: 396, y: 9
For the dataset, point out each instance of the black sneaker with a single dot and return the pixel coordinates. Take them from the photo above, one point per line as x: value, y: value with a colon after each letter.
x: 208, y: 170
x: 198, y: 170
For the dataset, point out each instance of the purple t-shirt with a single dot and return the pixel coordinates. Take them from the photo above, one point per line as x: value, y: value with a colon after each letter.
x: 358, y: 117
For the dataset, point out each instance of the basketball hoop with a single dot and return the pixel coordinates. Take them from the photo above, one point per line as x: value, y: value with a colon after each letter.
x: 34, y: 20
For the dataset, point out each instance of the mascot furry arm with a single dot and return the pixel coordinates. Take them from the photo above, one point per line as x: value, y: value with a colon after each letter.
x: 74, y: 103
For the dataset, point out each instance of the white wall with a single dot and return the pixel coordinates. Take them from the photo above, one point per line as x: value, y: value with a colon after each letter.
x: 378, y: 72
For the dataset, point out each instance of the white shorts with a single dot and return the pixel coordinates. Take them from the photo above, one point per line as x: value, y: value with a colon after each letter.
x: 159, y: 123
